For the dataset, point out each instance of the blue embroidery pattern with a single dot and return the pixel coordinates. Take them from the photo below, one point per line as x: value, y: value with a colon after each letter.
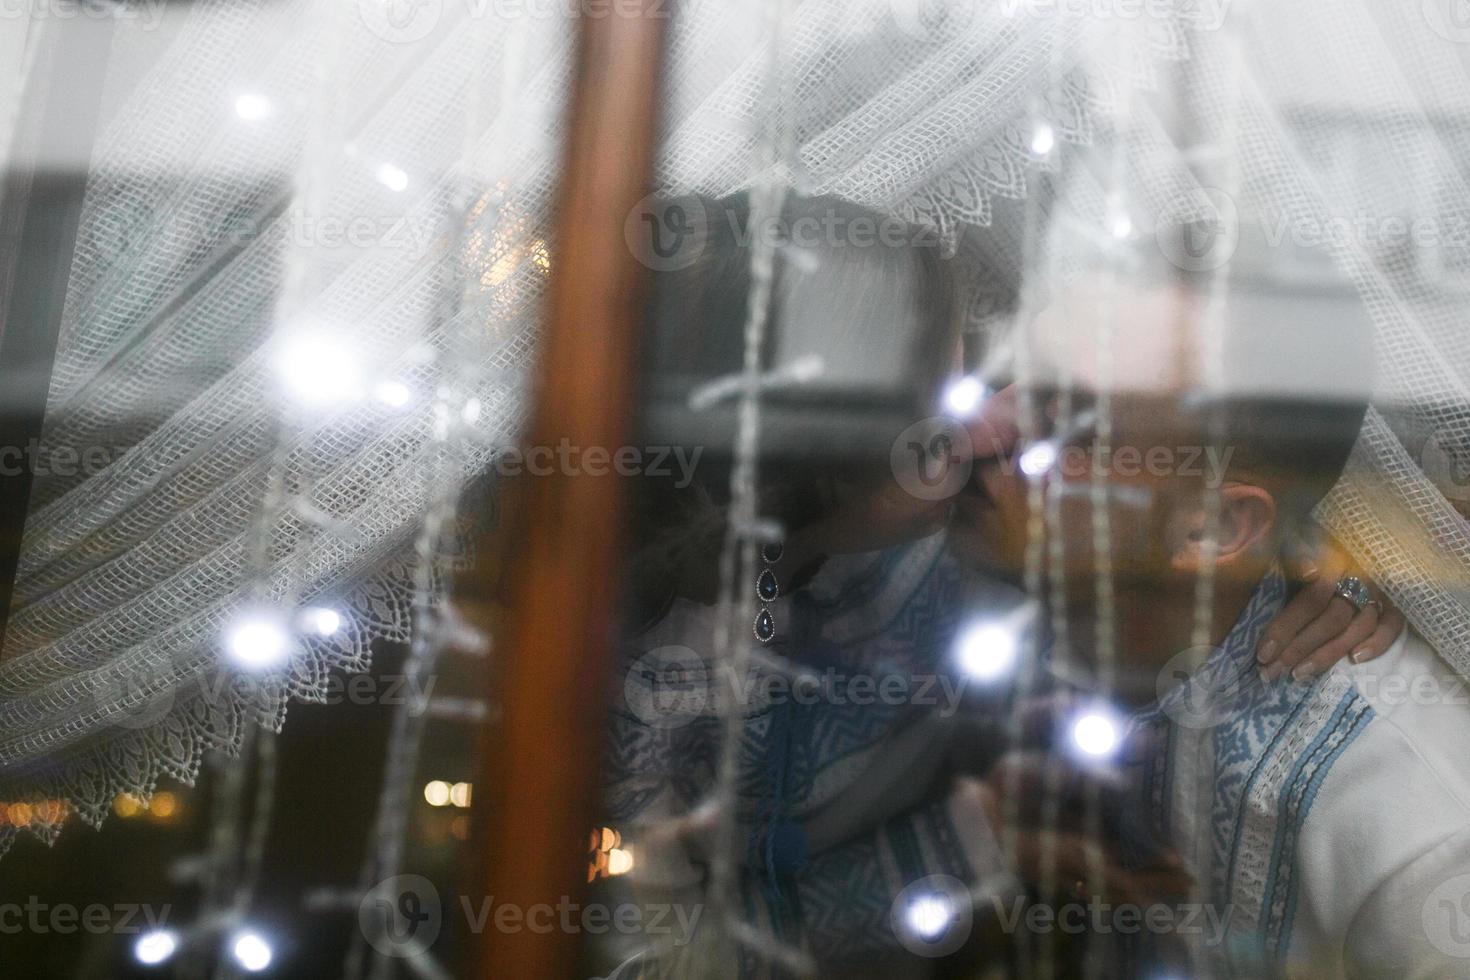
x: 891, y: 615
x: 1271, y: 753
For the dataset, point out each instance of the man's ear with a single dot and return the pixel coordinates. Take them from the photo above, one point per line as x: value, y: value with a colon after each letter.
x: 1247, y: 518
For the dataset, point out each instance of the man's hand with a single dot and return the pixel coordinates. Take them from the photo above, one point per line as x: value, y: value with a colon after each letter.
x: 1317, y: 629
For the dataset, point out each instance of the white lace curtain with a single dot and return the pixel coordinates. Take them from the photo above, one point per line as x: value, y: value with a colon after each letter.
x: 303, y: 301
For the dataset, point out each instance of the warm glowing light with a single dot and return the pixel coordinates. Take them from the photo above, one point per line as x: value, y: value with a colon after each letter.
x: 1043, y: 139
x: 323, y: 621
x: 541, y: 256
x: 257, y: 642
x: 51, y: 811
x: 1095, y: 734
x: 21, y: 814
x: 619, y: 861
x: 606, y: 839
x: 163, y: 805
x: 252, y: 952
x: 503, y: 268
x: 1039, y: 458
x: 987, y: 651
x: 929, y: 916
x: 459, y: 795
x: 436, y: 793
x: 964, y: 396
x: 394, y: 394
x: 155, y: 946
x: 253, y: 107
x: 318, y: 370
x: 126, y: 806
x: 393, y: 177
x: 510, y: 257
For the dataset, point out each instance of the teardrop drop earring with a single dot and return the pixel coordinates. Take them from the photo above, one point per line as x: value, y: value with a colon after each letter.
x: 767, y: 590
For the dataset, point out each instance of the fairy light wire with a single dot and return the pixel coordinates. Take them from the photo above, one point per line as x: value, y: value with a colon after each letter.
x: 1104, y: 624
x: 738, y: 556
x: 450, y: 441
x: 1212, y: 340
x: 230, y: 873
x: 1042, y: 509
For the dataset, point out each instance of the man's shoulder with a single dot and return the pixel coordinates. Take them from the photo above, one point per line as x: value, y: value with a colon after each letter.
x: 1422, y: 705
x: 1389, y: 822
x: 1405, y: 775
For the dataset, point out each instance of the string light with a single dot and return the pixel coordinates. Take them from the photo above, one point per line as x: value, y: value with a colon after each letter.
x: 393, y: 177
x: 1043, y: 139
x: 41, y: 813
x: 1039, y: 459
x: 155, y: 946
x: 1121, y: 225
x: 964, y: 396
x: 1096, y: 734
x: 323, y: 621
x: 607, y: 854
x: 51, y: 811
x: 257, y: 642
x: 318, y: 370
x: 459, y: 795
x: 929, y: 916
x: 619, y: 861
x: 987, y: 651
x: 252, y: 952
x: 253, y: 107
x: 394, y: 394
x: 164, y: 805
x: 436, y: 793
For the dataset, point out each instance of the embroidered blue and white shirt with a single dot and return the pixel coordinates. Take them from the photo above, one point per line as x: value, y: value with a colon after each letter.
x: 1330, y: 820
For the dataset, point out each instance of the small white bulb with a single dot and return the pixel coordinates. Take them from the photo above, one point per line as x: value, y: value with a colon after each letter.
x: 394, y: 394
x: 253, y: 107
x: 393, y: 177
x: 987, y: 651
x: 252, y: 952
x: 323, y: 621
x: 155, y: 946
x: 1043, y: 139
x: 929, y: 916
x: 257, y: 642
x: 319, y: 370
x: 1039, y: 459
x: 1096, y: 735
x: 964, y: 396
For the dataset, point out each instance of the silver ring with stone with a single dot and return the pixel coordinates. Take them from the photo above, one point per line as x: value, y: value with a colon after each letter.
x: 1351, y: 588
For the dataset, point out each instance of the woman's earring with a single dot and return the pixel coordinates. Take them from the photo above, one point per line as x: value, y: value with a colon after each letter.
x: 767, y: 590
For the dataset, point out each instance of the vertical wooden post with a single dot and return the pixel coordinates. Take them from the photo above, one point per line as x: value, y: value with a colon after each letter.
x: 542, y: 760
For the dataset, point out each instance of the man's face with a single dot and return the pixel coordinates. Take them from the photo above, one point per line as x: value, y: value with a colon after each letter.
x: 1111, y: 496
x: 1099, y: 500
